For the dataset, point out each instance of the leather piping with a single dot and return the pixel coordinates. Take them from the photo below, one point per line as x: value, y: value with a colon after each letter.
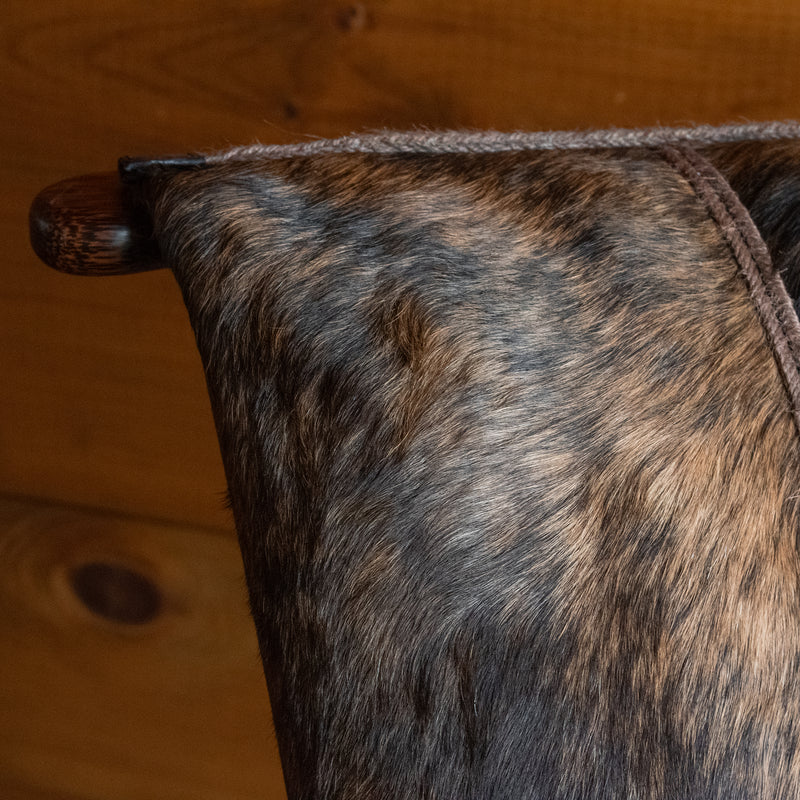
x: 766, y: 287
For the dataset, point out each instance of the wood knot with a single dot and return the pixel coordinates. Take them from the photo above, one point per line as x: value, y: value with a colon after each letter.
x: 117, y: 593
x: 352, y: 18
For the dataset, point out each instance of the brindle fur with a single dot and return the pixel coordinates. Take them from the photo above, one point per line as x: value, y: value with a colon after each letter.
x: 513, y: 470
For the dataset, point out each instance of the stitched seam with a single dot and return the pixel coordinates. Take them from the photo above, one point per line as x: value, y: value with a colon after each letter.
x: 768, y: 286
x: 475, y: 142
x: 749, y: 251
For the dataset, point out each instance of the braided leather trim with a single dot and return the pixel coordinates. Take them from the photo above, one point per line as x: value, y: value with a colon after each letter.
x: 765, y: 285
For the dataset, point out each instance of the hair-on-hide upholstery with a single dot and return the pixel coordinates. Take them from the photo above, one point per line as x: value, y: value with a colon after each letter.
x: 511, y: 442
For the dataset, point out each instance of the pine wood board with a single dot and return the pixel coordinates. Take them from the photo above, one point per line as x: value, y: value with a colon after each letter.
x: 103, y: 400
x: 175, y: 707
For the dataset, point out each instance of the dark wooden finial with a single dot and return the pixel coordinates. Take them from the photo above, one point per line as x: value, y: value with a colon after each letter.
x: 90, y: 226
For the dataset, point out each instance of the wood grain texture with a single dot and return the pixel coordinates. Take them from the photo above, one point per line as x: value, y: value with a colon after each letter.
x: 173, y: 707
x: 102, y: 400
x: 103, y: 376
x: 90, y: 225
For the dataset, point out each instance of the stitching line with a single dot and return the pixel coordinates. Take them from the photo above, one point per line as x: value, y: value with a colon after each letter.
x: 422, y: 142
x: 754, y: 251
x: 765, y: 285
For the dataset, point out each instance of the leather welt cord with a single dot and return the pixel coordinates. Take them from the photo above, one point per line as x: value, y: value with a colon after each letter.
x: 765, y: 285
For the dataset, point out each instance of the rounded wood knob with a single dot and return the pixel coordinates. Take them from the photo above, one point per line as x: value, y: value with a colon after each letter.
x: 90, y: 225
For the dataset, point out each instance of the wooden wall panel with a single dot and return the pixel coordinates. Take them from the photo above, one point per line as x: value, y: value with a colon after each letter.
x: 174, y: 706
x: 105, y: 404
x: 102, y: 400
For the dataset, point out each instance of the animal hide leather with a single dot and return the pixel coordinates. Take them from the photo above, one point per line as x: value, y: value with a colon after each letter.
x: 510, y: 426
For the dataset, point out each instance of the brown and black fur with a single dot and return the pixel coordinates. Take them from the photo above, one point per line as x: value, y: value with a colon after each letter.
x: 514, y: 471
